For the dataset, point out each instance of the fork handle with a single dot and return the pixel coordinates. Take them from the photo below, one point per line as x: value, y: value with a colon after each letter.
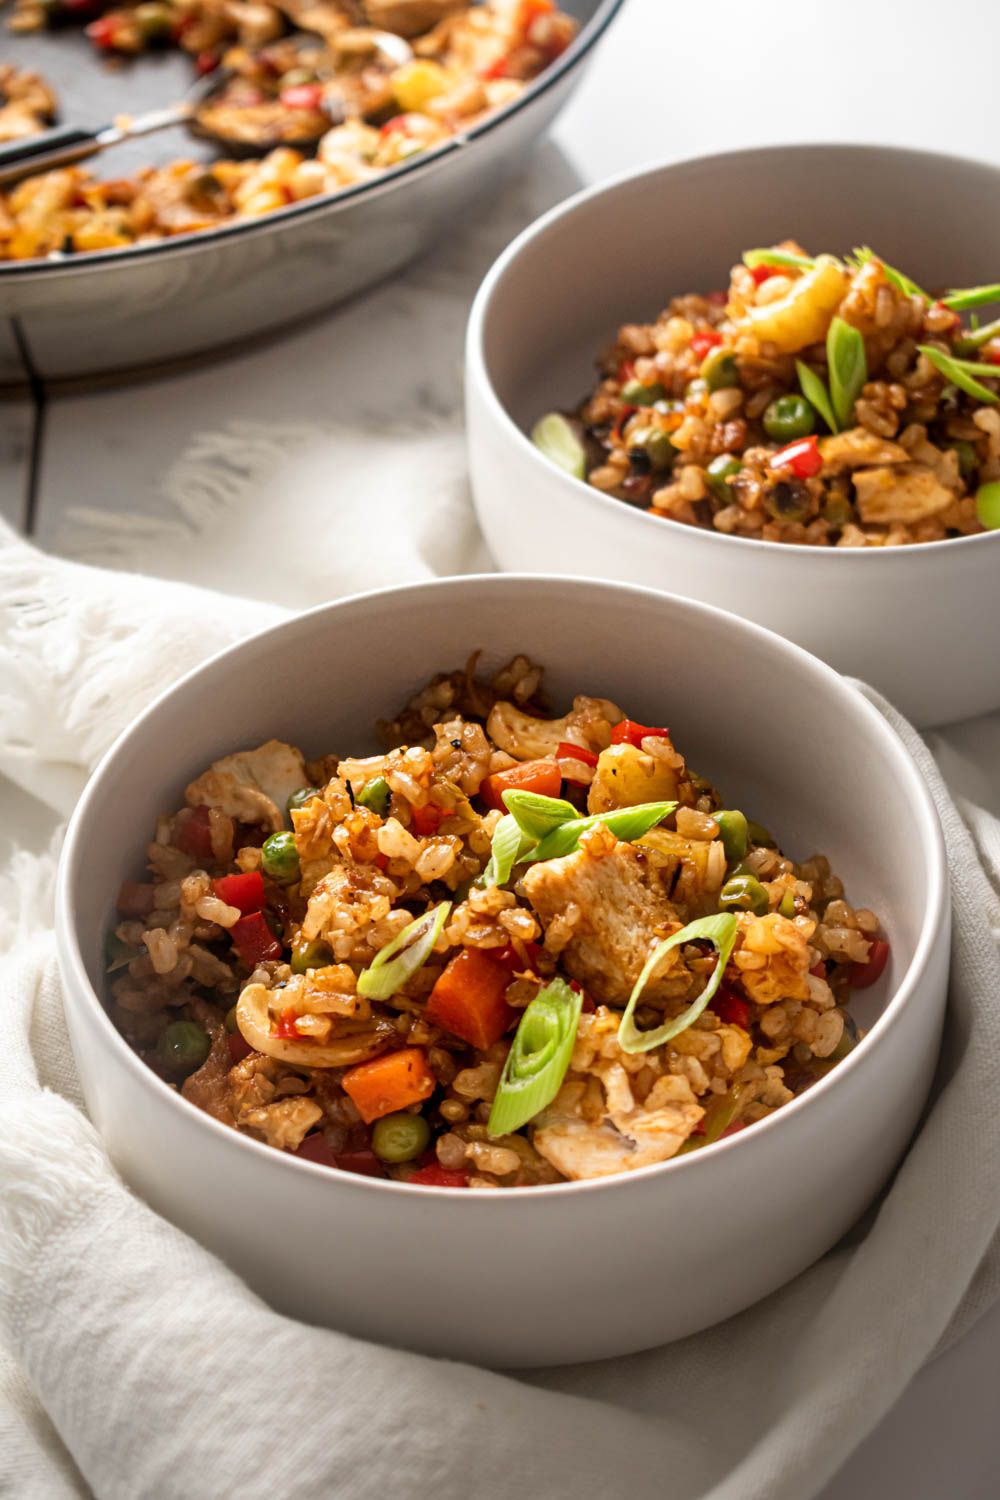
x: 59, y: 147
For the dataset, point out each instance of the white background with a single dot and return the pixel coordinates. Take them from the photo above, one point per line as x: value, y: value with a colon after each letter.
x: 671, y: 80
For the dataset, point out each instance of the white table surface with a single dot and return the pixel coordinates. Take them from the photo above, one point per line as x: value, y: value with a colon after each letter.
x: 670, y: 81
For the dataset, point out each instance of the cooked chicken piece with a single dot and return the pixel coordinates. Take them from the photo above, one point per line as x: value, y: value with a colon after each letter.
x: 285, y: 1123
x: 857, y: 447
x: 252, y: 786
x: 632, y: 1136
x: 906, y: 493
x: 622, y: 911
x: 527, y: 737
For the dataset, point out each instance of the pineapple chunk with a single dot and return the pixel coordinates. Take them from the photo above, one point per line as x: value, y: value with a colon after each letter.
x: 626, y: 776
x: 803, y: 315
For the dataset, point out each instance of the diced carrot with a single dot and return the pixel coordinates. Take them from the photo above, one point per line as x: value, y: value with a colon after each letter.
x: 541, y: 776
x: 468, y: 999
x: 388, y: 1083
x: 253, y: 940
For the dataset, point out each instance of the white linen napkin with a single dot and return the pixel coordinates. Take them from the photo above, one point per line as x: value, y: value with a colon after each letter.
x: 140, y: 1366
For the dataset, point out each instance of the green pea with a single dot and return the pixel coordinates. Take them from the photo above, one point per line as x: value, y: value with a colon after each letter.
x: 787, y: 905
x: 718, y: 369
x: 638, y: 394
x: 398, y: 1138
x: 988, y: 505
x: 733, y: 833
x: 656, y: 445
x: 968, y: 458
x: 760, y: 835
x: 154, y: 21
x: 183, y: 1046
x: 301, y: 797
x: 837, y: 512
x: 280, y: 858
x: 744, y: 893
x: 375, y: 796
x: 314, y: 955
x: 718, y: 474
x: 231, y: 1024
x: 789, y: 417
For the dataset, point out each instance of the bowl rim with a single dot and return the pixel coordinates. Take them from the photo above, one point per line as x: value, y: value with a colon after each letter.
x: 575, y: 54
x: 479, y: 370
x: 934, y: 923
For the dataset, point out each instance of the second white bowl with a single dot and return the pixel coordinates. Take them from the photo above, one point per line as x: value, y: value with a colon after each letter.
x: 914, y: 620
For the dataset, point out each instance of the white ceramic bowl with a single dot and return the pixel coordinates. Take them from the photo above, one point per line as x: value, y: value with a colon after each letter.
x: 542, y: 1275
x: 915, y: 621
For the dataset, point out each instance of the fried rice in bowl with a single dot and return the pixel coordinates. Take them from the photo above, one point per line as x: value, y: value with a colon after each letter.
x: 525, y: 964
x: 790, y: 391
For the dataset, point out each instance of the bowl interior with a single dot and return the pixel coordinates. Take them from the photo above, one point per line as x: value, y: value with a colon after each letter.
x: 619, y: 254
x: 779, y: 733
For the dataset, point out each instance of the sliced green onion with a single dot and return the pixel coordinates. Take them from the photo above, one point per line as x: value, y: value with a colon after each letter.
x: 895, y: 278
x: 538, y: 1058
x: 973, y: 296
x: 626, y: 823
x: 556, y: 437
x: 719, y: 1115
x: 375, y: 795
x: 988, y: 505
x: 978, y: 336
x: 387, y: 972
x: 719, y: 930
x: 117, y: 954
x: 537, y: 815
x: 845, y: 354
x: 962, y: 372
x: 510, y: 843
x: 755, y: 258
x: 816, y: 394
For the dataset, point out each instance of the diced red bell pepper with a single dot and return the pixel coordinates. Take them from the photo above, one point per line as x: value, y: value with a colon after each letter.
x: 205, y: 62
x: 734, y: 1128
x: 860, y: 976
x: 104, y: 32
x: 704, y: 342
x: 426, y: 820
x: 586, y: 1005
x: 239, y: 1047
x: 990, y: 355
x: 468, y: 999
x: 363, y: 1163
x: 541, y: 776
x: 761, y: 274
x: 802, y: 457
x: 285, y: 1026
x: 628, y: 732
x: 819, y: 970
x: 623, y: 416
x: 730, y: 1007
x: 399, y: 124
x: 194, y: 836
x: 316, y: 1147
x: 435, y: 1176
x: 511, y: 958
x: 626, y: 371
x: 135, y: 899
x: 243, y: 891
x: 302, y: 96
x: 566, y: 751
x: 253, y: 940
